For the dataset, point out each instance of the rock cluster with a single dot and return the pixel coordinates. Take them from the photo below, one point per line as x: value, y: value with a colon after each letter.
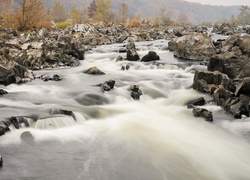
x: 227, y: 76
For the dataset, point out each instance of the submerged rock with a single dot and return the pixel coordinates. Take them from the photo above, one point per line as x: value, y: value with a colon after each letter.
x: 27, y: 137
x: 91, y: 99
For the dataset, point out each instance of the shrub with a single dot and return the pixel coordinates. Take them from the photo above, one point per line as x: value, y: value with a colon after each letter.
x: 62, y: 25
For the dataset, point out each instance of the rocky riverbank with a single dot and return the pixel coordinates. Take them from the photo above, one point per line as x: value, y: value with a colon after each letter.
x: 226, y: 78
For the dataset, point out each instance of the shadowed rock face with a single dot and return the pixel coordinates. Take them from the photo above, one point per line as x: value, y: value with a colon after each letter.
x: 233, y: 57
x: 227, y: 77
x: 201, y: 112
x: 132, y: 54
x: 12, y: 72
x: 1, y: 161
x: 151, y: 56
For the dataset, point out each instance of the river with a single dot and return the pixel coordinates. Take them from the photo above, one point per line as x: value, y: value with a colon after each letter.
x: 112, y: 136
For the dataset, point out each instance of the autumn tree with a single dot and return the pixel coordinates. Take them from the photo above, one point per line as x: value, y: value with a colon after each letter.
x: 135, y: 22
x: 123, y: 13
x: 84, y: 15
x: 103, y: 11
x: 244, y: 16
x: 58, y: 12
x: 75, y: 16
x: 165, y: 17
x: 26, y: 14
x: 92, y: 9
x: 5, y: 6
x: 182, y: 19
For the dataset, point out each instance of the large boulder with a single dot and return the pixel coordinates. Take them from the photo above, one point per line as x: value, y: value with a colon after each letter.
x: 12, y: 72
x: 233, y: 66
x: 194, y: 46
x: 151, y: 56
x: 207, y: 81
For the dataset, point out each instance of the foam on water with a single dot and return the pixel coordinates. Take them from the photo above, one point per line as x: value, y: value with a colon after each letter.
x: 117, y: 137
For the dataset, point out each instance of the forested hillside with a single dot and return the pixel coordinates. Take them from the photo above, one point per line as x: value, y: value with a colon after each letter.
x: 195, y: 12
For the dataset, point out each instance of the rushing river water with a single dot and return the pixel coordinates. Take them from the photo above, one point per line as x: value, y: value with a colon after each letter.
x: 114, y: 137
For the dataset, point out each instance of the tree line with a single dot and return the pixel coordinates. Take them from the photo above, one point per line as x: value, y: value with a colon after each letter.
x: 33, y: 14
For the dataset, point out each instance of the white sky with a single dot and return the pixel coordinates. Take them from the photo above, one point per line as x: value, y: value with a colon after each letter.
x: 222, y: 2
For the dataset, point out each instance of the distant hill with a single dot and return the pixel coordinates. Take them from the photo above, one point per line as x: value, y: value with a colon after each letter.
x: 196, y: 12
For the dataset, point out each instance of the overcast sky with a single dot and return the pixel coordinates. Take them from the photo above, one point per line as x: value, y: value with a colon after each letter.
x: 223, y: 2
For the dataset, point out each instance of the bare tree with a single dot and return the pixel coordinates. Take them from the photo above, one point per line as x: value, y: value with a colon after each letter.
x: 123, y: 12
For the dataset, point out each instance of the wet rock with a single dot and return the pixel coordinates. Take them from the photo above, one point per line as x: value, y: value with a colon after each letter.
x: 125, y: 67
x: 2, y: 92
x: 94, y: 71
x: 221, y: 95
x: 1, y: 160
x: 19, y: 121
x: 2, y: 130
x: 63, y: 112
x: 196, y: 102
x: 135, y: 92
x: 238, y: 106
x: 207, y: 81
x: 151, y: 56
x: 202, y: 112
x: 57, y: 77
x: 4, y: 127
x: 243, y: 87
x: 132, y: 54
x: 45, y: 77
x: 107, y: 85
x: 119, y: 58
x: 14, y: 73
x: 122, y: 50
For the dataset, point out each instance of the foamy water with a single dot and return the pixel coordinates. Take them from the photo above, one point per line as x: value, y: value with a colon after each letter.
x: 112, y: 136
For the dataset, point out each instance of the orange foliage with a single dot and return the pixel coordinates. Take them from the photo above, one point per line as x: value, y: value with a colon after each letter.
x: 27, y: 15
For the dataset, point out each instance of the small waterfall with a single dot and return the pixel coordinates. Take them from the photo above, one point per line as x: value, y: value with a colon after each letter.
x: 54, y: 122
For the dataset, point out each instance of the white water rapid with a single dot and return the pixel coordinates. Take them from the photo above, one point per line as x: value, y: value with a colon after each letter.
x: 113, y: 137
